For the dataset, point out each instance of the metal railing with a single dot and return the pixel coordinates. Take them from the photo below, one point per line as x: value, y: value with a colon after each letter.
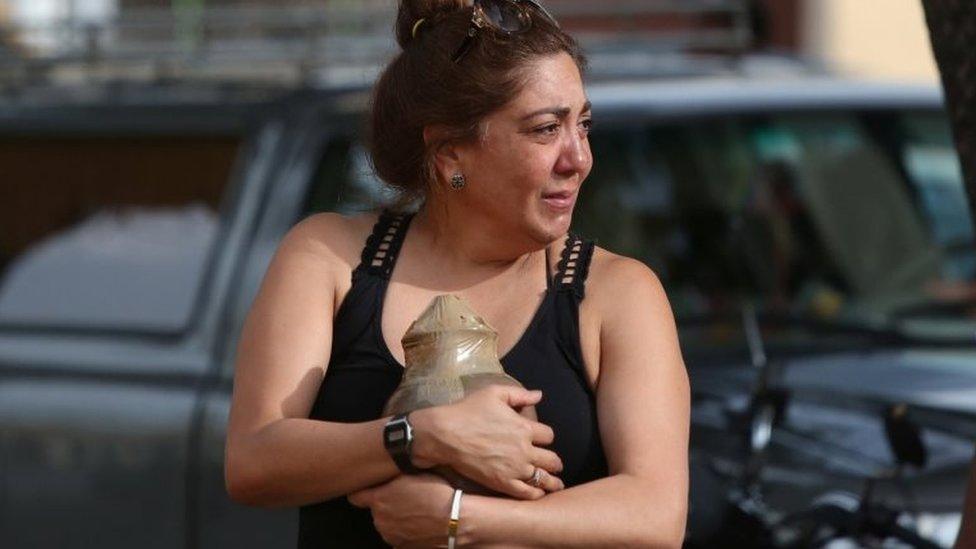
x: 330, y: 44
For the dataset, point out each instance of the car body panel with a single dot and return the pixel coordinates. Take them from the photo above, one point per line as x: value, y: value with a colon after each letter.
x: 86, y: 462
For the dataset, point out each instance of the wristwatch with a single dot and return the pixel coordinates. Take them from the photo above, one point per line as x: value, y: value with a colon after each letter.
x: 398, y: 440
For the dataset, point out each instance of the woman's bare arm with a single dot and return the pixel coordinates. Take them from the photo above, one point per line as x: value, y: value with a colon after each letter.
x: 274, y: 454
x: 644, y: 405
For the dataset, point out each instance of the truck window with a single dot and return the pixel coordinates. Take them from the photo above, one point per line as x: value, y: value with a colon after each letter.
x: 344, y: 181
x: 801, y: 213
x: 108, y: 233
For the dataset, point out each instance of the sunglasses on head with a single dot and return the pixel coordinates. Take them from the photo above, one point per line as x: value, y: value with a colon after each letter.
x: 508, y: 17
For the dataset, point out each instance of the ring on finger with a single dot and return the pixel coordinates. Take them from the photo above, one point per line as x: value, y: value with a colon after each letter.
x: 536, y: 480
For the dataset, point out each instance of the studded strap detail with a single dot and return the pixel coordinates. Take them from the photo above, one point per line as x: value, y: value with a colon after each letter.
x: 574, y: 265
x: 383, y: 245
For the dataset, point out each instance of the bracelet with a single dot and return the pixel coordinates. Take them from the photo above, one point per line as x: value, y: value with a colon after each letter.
x: 452, y: 525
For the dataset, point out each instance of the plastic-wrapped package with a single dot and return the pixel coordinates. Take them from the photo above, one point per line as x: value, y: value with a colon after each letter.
x: 450, y: 352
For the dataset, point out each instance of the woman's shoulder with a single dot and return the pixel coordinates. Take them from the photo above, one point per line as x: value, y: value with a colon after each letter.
x: 618, y: 282
x: 624, y: 300
x: 329, y: 237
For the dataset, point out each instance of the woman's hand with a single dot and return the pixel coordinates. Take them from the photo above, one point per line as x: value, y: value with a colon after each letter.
x: 410, y: 510
x: 484, y: 438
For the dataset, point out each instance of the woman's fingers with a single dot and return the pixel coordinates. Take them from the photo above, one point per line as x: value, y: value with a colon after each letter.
x: 546, y: 459
x: 517, y: 397
x: 522, y: 490
x: 536, y: 483
x: 550, y: 483
x: 494, y: 431
x: 540, y: 477
x: 542, y: 434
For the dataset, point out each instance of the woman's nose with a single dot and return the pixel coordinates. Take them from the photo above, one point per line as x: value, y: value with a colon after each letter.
x: 575, y: 154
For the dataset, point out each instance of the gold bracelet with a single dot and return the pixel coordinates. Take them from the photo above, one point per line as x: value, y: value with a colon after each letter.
x: 455, y: 520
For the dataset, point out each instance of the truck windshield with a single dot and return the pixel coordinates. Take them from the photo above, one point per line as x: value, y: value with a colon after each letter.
x: 858, y: 218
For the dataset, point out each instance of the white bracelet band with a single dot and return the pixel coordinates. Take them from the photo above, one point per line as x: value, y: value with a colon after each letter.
x: 452, y: 525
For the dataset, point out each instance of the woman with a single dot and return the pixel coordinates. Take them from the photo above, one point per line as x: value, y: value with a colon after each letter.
x: 483, y: 120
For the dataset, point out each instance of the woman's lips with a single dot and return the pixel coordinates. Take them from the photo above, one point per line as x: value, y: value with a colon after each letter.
x: 560, y: 201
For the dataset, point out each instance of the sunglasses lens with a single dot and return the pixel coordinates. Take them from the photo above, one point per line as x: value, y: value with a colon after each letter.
x: 507, y: 16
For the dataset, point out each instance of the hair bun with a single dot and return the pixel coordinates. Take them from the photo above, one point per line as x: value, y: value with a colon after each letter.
x: 412, y: 11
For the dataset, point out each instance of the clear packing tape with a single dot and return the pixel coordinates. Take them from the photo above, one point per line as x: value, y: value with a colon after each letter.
x: 450, y: 353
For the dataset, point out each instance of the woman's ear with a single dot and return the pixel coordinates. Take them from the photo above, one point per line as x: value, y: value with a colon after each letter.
x: 443, y: 152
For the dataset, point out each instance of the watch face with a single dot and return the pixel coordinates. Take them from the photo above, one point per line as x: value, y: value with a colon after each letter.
x: 397, y: 438
x: 397, y: 433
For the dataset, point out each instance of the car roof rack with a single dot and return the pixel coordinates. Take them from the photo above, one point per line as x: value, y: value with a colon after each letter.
x: 329, y: 44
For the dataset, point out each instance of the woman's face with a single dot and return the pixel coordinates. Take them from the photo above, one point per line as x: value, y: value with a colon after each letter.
x: 524, y: 175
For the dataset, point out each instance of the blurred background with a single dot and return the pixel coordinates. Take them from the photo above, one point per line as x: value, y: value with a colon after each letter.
x: 785, y: 166
x: 195, y: 35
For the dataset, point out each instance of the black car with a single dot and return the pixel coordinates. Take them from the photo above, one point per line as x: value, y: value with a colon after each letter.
x: 811, y: 232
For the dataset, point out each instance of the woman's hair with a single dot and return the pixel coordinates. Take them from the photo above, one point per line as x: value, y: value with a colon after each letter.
x: 423, y: 86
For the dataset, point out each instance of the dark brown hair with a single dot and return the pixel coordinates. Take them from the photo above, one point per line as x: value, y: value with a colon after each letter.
x: 422, y: 86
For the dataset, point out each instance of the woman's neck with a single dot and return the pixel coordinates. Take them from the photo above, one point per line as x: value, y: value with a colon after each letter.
x: 466, y: 242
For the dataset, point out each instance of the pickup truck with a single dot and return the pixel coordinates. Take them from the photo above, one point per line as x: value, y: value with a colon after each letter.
x: 136, y: 226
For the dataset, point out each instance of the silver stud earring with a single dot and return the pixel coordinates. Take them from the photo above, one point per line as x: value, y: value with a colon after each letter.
x: 458, y: 181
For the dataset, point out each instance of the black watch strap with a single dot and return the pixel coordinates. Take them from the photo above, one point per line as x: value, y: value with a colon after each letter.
x: 398, y: 441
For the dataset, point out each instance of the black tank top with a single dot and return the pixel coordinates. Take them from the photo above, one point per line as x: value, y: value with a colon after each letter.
x: 362, y: 374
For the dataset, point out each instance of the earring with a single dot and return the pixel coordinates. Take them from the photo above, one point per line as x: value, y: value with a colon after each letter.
x: 458, y: 181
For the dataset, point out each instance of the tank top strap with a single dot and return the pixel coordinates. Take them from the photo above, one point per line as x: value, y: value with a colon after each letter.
x: 570, y: 285
x: 383, y: 245
x: 574, y: 266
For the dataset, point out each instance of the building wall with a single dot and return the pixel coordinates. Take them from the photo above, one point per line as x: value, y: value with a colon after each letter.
x: 885, y: 39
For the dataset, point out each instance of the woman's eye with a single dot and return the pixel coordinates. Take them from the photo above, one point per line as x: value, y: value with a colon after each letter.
x: 548, y: 129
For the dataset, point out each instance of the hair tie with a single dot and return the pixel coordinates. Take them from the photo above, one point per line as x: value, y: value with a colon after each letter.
x: 413, y: 33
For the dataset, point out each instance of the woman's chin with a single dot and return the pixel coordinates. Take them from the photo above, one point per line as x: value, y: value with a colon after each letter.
x: 553, y: 226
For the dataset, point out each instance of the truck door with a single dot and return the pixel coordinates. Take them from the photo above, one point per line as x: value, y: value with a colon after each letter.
x: 112, y: 242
